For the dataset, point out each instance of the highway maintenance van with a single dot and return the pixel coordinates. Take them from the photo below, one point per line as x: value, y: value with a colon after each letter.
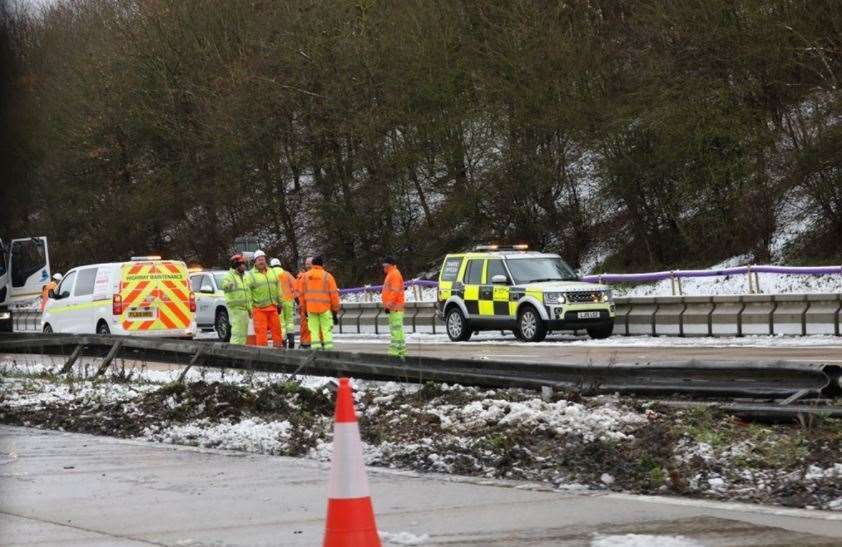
x: 512, y: 288
x: 145, y: 296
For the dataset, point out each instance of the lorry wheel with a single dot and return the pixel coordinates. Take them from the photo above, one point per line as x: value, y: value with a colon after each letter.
x: 222, y: 326
x: 603, y: 331
x: 48, y: 329
x: 532, y: 328
x: 102, y: 329
x: 458, y: 329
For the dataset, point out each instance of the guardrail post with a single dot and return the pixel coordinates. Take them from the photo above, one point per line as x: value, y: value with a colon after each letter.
x: 112, y: 353
x: 740, y: 317
x: 804, y: 316
x: 71, y: 360
x: 672, y: 283
x: 836, y: 317
x: 416, y: 290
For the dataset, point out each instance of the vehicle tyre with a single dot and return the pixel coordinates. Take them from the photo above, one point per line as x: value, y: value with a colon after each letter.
x: 458, y: 328
x: 48, y: 329
x: 222, y: 325
x: 602, y: 331
x: 102, y: 329
x: 532, y: 328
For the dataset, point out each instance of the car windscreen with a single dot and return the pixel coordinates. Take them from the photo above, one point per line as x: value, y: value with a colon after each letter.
x: 533, y: 270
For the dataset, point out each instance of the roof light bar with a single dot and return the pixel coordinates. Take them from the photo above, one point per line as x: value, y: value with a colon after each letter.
x: 150, y: 257
x: 486, y: 248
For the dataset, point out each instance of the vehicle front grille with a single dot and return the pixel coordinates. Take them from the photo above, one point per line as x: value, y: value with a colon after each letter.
x: 584, y: 297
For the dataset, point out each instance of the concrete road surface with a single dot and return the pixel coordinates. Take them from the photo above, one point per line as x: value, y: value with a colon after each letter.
x: 71, y: 489
x: 634, y: 352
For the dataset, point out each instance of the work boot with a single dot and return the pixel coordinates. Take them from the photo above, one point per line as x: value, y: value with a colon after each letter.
x: 291, y: 341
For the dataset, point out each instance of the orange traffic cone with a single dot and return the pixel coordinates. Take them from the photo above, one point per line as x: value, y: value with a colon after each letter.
x: 350, y: 516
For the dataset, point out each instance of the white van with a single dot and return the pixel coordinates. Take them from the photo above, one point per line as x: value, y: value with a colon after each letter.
x: 146, y: 296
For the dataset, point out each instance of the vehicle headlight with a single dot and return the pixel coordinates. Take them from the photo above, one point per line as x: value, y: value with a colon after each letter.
x: 608, y: 296
x: 554, y: 298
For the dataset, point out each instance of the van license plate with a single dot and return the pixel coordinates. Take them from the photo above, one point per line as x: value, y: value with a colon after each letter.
x: 588, y: 315
x: 143, y: 313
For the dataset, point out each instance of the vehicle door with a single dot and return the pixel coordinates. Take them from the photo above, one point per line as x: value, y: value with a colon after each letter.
x: 81, y: 314
x: 500, y: 306
x: 58, y: 308
x: 472, y: 280
x: 155, y: 296
x: 28, y: 268
x: 202, y: 286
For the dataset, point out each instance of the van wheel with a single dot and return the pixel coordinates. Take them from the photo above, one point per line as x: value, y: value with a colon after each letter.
x: 222, y: 326
x: 458, y: 329
x: 48, y: 329
x: 602, y: 331
x: 102, y: 329
x: 532, y: 328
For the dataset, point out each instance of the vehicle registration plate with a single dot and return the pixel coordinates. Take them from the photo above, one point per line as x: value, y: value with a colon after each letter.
x: 141, y: 313
x: 588, y: 315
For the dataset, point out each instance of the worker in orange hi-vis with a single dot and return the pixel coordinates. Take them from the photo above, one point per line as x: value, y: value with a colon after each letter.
x: 51, y: 286
x: 287, y: 282
x: 264, y: 290
x: 306, y: 339
x: 394, y: 304
x: 321, y: 296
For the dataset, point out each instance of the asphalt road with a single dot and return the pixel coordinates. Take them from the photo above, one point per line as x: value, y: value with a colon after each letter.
x: 71, y: 489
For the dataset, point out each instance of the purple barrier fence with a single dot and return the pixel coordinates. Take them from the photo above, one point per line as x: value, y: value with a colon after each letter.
x: 377, y: 288
x: 739, y: 270
x: 650, y: 276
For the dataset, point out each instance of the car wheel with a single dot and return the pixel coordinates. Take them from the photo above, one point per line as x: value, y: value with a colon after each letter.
x: 458, y: 329
x: 603, y: 331
x: 222, y: 326
x: 532, y: 328
x: 48, y: 329
x: 102, y: 329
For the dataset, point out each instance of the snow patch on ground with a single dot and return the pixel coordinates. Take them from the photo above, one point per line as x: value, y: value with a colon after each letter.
x: 643, y: 540
x: 249, y: 435
x: 403, y: 538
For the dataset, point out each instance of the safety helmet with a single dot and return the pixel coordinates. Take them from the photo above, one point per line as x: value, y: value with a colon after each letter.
x: 237, y: 259
x: 57, y: 276
x: 258, y: 253
x: 275, y: 262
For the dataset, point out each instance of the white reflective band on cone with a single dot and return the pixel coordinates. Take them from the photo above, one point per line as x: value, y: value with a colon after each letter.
x: 347, y: 473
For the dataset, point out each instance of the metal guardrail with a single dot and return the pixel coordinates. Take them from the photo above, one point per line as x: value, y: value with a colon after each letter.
x: 789, y: 314
x: 772, y: 380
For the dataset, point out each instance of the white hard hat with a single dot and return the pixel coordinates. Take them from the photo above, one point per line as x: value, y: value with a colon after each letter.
x: 57, y: 276
x: 258, y: 253
x: 274, y: 262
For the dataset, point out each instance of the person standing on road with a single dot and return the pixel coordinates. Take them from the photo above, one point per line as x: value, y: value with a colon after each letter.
x: 394, y: 303
x: 264, y: 291
x: 237, y: 300
x: 321, y: 296
x: 288, y: 301
x: 305, y: 341
x: 51, y: 286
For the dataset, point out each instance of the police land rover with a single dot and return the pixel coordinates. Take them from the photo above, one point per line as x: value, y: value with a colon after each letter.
x: 512, y: 288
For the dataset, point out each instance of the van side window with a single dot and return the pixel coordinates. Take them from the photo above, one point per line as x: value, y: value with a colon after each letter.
x: 196, y: 283
x: 85, y: 282
x: 495, y: 267
x: 450, y: 270
x: 66, y: 284
x: 473, y: 273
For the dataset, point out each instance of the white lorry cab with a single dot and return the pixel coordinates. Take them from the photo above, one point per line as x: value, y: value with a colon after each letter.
x: 145, y: 296
x: 24, y: 270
